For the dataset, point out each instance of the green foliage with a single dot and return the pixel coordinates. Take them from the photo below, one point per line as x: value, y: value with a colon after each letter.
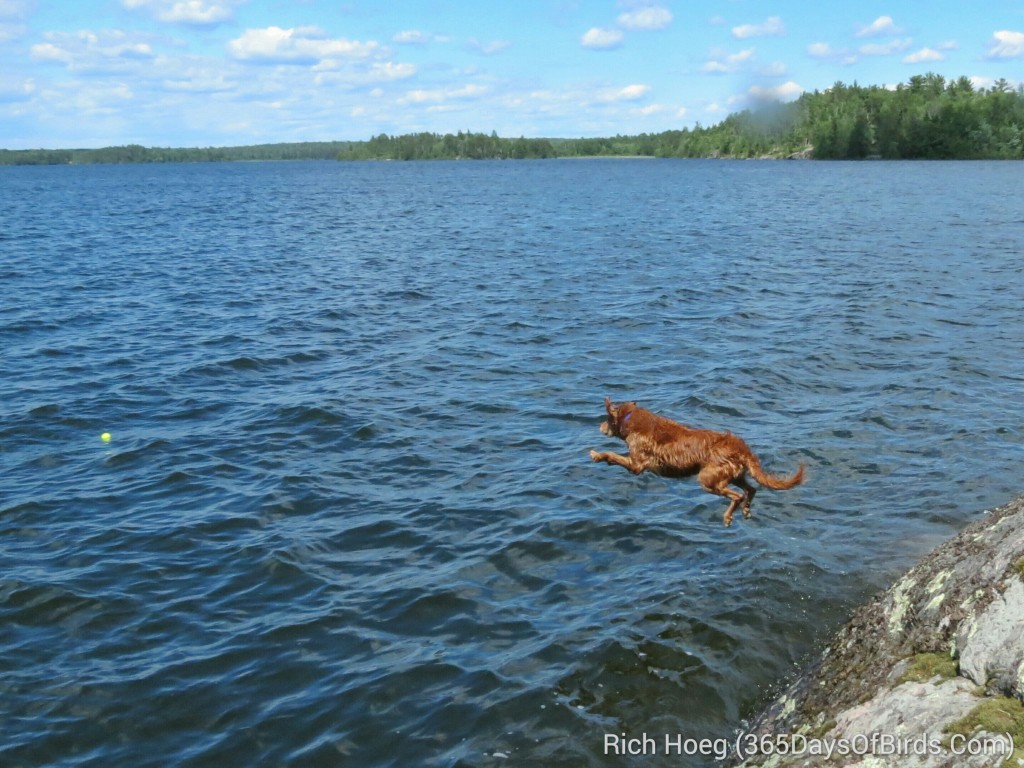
x: 924, y: 118
x: 996, y: 715
x: 432, y: 146
x: 926, y: 666
x: 133, y: 153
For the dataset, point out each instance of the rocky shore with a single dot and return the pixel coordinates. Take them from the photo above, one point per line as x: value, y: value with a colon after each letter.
x: 928, y: 674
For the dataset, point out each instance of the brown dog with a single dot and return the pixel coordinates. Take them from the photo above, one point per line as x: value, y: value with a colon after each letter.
x: 667, y: 448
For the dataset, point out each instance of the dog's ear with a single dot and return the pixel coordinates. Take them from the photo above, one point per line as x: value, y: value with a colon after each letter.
x: 609, y: 407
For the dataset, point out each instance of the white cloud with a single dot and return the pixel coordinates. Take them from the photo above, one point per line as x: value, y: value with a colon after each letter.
x: 51, y: 52
x: 208, y: 84
x: 728, y: 63
x: 91, y: 51
x: 600, y: 39
x: 411, y: 37
x: 416, y: 37
x: 775, y: 69
x: 419, y: 96
x: 14, y: 9
x: 382, y: 71
x: 187, y: 11
x: 826, y: 51
x: 1006, y: 44
x: 16, y: 89
x: 488, y: 49
x: 885, y: 49
x: 10, y: 32
x: 331, y: 72
x: 629, y: 93
x: 649, y: 18
x: 925, y: 54
x: 79, y: 106
x: 770, y: 26
x: 821, y: 50
x: 301, y: 45
x: 883, y: 25
x: 981, y: 82
x: 177, y: 99
x: 12, y: 13
x: 441, y: 95
x: 785, y: 92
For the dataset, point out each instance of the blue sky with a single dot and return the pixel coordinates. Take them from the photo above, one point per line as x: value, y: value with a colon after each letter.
x: 88, y: 73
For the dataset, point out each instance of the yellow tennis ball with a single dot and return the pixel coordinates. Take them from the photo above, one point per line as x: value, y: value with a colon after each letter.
x: 105, y: 437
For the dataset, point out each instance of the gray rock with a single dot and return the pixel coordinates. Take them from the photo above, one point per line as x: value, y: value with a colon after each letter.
x: 991, y: 649
x: 963, y: 602
x: 908, y: 710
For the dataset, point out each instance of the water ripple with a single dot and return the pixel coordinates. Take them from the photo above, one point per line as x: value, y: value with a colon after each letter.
x: 346, y: 514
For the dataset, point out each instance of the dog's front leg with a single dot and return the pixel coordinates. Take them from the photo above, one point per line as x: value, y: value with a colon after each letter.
x: 623, y: 461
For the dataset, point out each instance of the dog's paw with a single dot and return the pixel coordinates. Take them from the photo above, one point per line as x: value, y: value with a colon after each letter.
x: 595, y: 456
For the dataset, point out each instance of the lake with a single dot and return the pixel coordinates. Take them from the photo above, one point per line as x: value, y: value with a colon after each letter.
x: 346, y: 514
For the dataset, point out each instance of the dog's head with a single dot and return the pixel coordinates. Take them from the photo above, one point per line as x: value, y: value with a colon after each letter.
x: 618, y: 418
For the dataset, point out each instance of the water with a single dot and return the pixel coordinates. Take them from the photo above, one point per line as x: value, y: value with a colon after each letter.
x: 346, y: 516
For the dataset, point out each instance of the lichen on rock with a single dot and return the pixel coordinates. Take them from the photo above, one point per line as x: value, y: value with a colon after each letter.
x: 944, y: 645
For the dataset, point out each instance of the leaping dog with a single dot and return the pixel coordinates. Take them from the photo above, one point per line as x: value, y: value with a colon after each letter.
x: 670, y: 449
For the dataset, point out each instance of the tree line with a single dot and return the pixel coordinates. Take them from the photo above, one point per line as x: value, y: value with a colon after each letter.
x: 135, y: 153
x: 924, y: 118
x: 432, y: 146
x: 927, y: 117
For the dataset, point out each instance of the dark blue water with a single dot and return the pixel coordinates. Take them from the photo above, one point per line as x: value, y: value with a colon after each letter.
x: 346, y: 514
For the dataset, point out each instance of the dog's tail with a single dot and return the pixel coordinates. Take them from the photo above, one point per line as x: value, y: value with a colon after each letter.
x: 772, y: 481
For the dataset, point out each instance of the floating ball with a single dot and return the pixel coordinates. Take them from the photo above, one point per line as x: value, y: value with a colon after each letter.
x: 105, y: 437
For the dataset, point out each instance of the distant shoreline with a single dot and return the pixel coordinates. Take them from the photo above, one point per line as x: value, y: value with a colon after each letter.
x: 570, y: 158
x: 5, y: 161
x: 928, y: 118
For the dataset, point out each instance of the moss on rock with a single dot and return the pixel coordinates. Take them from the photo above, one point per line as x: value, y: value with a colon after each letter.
x: 998, y: 716
x: 927, y: 666
x: 914, y: 656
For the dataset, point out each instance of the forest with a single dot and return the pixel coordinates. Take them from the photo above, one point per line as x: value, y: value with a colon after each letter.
x: 135, y: 153
x: 928, y: 117
x: 924, y: 118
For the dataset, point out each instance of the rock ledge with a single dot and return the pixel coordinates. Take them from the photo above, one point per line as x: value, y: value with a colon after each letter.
x: 928, y: 671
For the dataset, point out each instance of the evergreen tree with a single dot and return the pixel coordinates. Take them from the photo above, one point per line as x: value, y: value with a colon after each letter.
x: 927, y: 117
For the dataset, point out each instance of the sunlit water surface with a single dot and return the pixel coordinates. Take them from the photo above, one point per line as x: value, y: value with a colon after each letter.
x: 346, y: 514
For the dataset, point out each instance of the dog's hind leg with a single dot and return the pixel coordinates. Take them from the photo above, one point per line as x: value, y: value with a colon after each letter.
x: 748, y: 493
x: 713, y: 480
x: 736, y: 497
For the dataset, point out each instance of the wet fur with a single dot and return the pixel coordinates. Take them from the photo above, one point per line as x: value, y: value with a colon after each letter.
x: 665, y: 447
